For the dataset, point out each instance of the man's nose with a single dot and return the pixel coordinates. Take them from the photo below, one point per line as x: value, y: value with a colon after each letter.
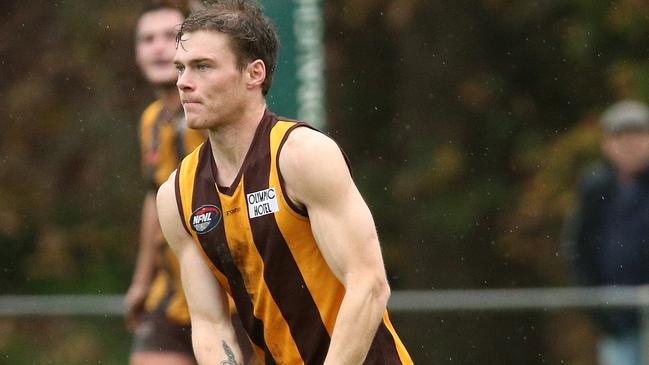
x: 161, y: 43
x: 184, y: 81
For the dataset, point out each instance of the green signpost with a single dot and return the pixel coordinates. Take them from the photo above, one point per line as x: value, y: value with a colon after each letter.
x: 299, y: 83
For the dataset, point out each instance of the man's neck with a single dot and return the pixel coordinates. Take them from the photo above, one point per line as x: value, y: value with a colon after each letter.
x: 230, y: 142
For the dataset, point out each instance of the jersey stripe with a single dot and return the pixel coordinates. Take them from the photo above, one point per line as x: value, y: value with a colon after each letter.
x: 278, y: 136
x: 250, y: 263
x: 281, y: 273
x: 179, y: 201
x: 401, y: 349
x: 214, y: 245
x: 186, y: 179
x: 382, y: 350
x: 323, y: 285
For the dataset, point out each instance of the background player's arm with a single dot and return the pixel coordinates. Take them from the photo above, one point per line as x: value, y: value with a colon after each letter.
x: 150, y: 240
x: 213, y: 337
x: 318, y: 178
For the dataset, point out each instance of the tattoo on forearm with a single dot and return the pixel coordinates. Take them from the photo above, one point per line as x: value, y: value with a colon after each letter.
x: 228, y: 352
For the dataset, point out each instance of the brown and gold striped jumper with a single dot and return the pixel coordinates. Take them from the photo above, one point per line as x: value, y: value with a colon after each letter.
x: 164, y: 141
x: 261, y: 249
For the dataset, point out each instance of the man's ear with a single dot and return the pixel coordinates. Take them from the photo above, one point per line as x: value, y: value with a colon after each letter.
x: 256, y: 72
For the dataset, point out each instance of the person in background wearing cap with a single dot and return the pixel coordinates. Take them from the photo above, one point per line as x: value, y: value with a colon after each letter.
x: 607, y: 239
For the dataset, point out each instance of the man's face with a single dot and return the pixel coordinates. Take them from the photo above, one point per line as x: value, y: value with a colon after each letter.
x: 628, y: 151
x: 155, y: 45
x: 212, y: 89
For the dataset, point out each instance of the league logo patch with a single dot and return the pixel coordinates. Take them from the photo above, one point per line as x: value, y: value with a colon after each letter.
x: 205, y: 218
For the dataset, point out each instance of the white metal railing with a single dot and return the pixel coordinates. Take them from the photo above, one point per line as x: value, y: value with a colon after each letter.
x: 61, y: 305
x: 400, y: 301
x: 519, y: 299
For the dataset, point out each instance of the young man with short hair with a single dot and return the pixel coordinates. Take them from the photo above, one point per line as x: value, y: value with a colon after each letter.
x: 267, y: 212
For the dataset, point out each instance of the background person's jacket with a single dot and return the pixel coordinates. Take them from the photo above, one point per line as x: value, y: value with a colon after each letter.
x: 607, y: 239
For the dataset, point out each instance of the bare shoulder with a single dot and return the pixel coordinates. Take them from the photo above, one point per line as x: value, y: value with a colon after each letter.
x: 305, y: 146
x: 167, y: 193
x: 311, y: 164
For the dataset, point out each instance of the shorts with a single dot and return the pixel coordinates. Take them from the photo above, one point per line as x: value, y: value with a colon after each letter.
x: 156, y: 333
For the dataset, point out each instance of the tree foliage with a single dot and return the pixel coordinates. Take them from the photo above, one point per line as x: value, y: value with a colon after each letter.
x: 467, y: 123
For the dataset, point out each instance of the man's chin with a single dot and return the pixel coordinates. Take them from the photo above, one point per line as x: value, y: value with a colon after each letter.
x: 193, y: 124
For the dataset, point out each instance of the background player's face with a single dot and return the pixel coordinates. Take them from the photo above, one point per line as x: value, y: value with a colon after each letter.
x: 155, y: 45
x: 212, y: 89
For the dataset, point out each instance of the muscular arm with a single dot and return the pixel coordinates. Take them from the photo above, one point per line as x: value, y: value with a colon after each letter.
x: 150, y: 239
x: 317, y: 177
x: 213, y: 337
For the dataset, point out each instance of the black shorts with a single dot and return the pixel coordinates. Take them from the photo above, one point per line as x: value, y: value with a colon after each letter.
x: 156, y: 333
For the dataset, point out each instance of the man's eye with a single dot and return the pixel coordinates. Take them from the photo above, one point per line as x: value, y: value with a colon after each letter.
x: 202, y: 67
x: 144, y: 39
x: 180, y: 68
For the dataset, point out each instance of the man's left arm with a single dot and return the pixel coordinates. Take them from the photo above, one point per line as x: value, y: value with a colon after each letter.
x: 317, y: 177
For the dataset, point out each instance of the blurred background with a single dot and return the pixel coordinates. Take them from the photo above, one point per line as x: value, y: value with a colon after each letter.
x: 467, y: 124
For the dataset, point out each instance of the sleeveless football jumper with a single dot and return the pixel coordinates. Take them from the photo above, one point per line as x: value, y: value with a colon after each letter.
x: 164, y: 141
x: 260, y: 247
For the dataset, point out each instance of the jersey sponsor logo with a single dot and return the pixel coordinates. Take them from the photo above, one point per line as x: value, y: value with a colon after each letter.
x: 262, y: 202
x: 205, y: 218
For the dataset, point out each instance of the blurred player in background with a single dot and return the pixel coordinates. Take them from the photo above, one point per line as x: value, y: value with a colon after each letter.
x: 156, y: 308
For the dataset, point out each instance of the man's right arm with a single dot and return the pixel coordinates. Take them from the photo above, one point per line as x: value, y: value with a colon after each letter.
x: 150, y: 237
x: 213, y: 336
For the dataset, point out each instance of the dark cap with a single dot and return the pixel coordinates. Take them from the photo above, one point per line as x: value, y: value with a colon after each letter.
x: 625, y: 115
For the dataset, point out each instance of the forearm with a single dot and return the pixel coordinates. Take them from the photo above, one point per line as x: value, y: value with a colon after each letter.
x: 215, y: 344
x: 359, y: 316
x: 149, y: 237
x: 145, y: 264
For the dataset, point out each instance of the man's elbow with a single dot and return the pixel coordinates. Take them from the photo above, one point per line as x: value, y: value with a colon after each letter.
x: 381, y: 290
x: 372, y: 286
x: 377, y: 288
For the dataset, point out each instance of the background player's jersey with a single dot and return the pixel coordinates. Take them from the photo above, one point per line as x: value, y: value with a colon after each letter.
x: 164, y: 141
x: 260, y: 247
